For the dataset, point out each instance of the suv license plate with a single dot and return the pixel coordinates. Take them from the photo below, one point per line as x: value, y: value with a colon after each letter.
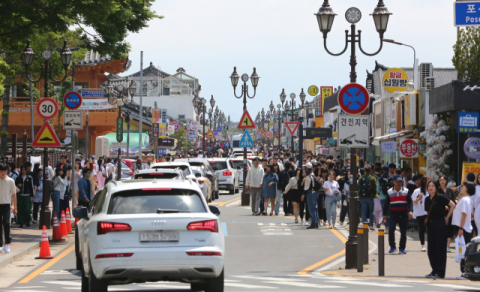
x: 169, y: 236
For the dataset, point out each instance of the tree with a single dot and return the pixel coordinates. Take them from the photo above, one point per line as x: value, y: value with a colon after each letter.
x: 181, y: 140
x: 467, y: 54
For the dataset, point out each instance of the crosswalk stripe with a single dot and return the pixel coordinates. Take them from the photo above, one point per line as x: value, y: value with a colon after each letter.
x: 369, y: 284
x: 248, y: 286
x: 453, y: 286
x: 64, y: 283
x: 270, y: 278
x: 306, y: 285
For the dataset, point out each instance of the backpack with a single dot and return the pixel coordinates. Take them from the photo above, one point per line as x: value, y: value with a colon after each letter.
x: 317, y: 185
x: 386, y: 184
x: 364, y: 187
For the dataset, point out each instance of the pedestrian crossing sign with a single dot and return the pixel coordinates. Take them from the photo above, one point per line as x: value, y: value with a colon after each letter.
x: 246, y: 121
x: 210, y: 135
x: 246, y: 140
x: 46, y: 137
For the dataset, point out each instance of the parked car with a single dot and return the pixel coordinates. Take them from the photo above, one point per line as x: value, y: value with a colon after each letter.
x: 206, y: 166
x: 184, y: 166
x: 141, y: 231
x: 227, y: 174
x: 159, y: 173
x: 129, y: 162
x: 204, y: 183
x: 238, y: 164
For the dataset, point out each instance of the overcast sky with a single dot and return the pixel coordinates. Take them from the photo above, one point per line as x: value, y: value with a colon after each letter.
x: 282, y: 40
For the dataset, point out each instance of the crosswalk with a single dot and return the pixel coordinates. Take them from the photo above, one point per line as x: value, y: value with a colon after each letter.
x: 275, y: 229
x: 291, y: 282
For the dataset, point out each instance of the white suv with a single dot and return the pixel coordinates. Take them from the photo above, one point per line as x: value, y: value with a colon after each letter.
x: 150, y: 230
x: 228, y: 178
x: 184, y: 166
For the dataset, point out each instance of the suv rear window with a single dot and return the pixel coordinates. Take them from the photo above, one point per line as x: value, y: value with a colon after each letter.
x: 218, y: 165
x: 184, y: 168
x: 157, y: 175
x: 148, y: 202
x: 237, y: 163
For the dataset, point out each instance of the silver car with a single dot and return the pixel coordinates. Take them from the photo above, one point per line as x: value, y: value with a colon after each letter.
x: 228, y: 178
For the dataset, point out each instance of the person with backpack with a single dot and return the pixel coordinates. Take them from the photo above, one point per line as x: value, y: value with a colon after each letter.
x: 312, y: 184
x: 384, y: 183
x: 367, y: 187
x: 331, y: 188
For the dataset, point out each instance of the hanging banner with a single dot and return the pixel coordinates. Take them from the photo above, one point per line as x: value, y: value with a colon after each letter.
x: 156, y: 116
x: 96, y: 104
x: 388, y: 147
x: 325, y: 92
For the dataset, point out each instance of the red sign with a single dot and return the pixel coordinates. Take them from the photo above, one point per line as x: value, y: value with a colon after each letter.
x: 246, y: 121
x: 47, y: 108
x: 46, y: 137
x: 292, y: 127
x: 269, y: 135
x: 353, y: 98
x: 409, y: 148
x: 72, y: 100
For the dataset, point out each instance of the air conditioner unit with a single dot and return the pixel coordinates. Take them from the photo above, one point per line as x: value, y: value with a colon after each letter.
x: 429, y: 83
x: 426, y: 70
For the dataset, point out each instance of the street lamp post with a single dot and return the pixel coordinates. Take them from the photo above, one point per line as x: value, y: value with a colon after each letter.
x: 210, y: 111
x: 325, y: 17
x: 279, y: 111
x: 414, y: 54
x: 244, y: 93
x: 46, y: 74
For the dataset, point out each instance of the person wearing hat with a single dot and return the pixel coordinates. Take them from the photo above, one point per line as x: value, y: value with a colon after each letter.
x: 399, y: 204
x: 311, y: 196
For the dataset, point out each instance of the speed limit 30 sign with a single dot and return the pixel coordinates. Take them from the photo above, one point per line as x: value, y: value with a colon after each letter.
x: 47, y: 108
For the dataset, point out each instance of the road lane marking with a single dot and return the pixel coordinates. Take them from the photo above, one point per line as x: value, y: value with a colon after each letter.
x: 451, y: 286
x: 221, y: 204
x: 330, y: 258
x: 47, y: 265
x: 306, y: 285
x: 224, y: 227
x: 248, y: 286
x: 368, y: 284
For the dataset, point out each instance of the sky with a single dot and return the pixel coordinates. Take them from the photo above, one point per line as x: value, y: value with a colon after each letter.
x: 282, y: 40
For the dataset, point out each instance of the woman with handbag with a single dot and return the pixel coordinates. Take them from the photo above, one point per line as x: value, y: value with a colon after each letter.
x: 435, y: 205
x: 331, y: 188
x: 101, y: 174
x: 294, y: 192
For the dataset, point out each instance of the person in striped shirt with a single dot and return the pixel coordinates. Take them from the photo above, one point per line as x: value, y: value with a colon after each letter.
x: 400, y: 206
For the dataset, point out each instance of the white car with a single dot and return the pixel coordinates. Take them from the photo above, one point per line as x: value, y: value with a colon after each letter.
x: 159, y: 173
x: 141, y: 231
x: 204, y: 183
x: 184, y: 166
x: 238, y: 164
x: 227, y: 174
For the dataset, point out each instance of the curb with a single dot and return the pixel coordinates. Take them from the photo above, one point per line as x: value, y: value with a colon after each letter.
x: 19, y: 253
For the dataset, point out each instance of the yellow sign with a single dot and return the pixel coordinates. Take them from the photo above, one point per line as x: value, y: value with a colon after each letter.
x: 156, y: 115
x: 46, y: 137
x: 473, y: 167
x: 271, y: 124
x: 313, y: 90
x: 326, y: 92
x: 264, y: 135
x: 395, y: 79
x: 210, y: 135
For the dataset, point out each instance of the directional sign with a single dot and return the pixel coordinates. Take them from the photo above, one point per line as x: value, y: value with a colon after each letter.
x: 467, y: 122
x: 313, y: 90
x: 246, y: 121
x: 466, y: 13
x: 318, y: 133
x: 46, y: 137
x: 119, y: 145
x: 72, y: 100
x: 47, y: 108
x: 72, y: 120
x: 219, y: 129
x: 92, y: 93
x: 210, y: 135
x: 269, y: 134
x: 353, y: 131
x: 292, y: 127
x: 353, y: 98
x: 215, y: 132
x: 246, y: 140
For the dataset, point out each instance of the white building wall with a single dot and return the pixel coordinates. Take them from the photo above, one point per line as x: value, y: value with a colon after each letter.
x: 174, y: 104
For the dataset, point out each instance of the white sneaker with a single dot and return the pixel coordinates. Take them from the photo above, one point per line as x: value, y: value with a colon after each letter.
x: 423, y: 248
x: 7, y: 248
x: 320, y: 223
x: 301, y: 222
x: 461, y: 278
x: 307, y: 223
x: 330, y: 227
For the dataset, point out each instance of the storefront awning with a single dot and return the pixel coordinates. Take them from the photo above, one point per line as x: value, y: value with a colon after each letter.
x: 376, y: 140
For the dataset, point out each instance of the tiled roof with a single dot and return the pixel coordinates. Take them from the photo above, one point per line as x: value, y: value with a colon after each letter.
x: 93, y: 58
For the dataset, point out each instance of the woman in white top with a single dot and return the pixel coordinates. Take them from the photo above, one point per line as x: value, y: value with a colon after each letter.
x: 331, y: 188
x: 76, y: 177
x: 418, y: 198
x: 462, y: 215
x: 59, y: 185
x: 294, y: 192
x: 476, y: 203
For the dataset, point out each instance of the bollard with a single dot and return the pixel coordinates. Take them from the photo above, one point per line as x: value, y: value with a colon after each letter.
x: 365, y: 243
x: 381, y: 252
x: 360, y: 248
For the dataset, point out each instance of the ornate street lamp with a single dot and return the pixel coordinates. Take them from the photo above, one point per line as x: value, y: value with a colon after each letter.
x: 325, y: 17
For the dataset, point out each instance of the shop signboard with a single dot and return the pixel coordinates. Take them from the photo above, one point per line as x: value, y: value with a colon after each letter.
x: 408, y: 148
x: 472, y: 148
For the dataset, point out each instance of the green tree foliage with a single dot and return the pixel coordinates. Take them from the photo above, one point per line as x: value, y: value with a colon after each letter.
x: 181, y: 140
x: 467, y: 54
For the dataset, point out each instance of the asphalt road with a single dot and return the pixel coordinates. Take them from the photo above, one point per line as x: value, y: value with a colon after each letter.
x: 262, y: 253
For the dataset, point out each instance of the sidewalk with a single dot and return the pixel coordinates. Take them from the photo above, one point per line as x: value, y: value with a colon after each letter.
x: 412, y: 266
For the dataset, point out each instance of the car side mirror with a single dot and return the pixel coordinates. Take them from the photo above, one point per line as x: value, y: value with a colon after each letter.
x: 214, y: 210
x: 80, y: 213
x: 209, y: 173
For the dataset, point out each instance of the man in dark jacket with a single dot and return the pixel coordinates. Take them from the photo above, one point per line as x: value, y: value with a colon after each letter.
x: 85, y: 193
x: 24, y: 183
x: 283, y: 182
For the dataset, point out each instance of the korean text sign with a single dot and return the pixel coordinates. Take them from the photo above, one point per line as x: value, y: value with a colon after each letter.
x: 353, y: 131
x: 408, y: 148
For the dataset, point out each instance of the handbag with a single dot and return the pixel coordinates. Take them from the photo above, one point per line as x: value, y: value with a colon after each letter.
x: 428, y: 215
x: 459, y: 248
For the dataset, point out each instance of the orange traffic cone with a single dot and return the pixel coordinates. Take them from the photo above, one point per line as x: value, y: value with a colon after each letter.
x: 57, y: 234
x: 63, y: 226
x: 44, y: 246
x: 68, y: 222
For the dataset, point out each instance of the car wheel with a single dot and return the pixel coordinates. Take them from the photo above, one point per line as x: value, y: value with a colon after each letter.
x: 78, y: 257
x: 215, y: 284
x: 197, y: 286
x: 96, y: 285
x: 84, y: 279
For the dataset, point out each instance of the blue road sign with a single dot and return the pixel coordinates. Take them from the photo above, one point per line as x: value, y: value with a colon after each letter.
x: 162, y: 151
x: 92, y: 93
x: 192, y: 136
x: 164, y: 116
x: 467, y: 122
x: 215, y: 133
x: 219, y: 129
x: 353, y: 98
x: 467, y: 13
x: 72, y: 100
x: 246, y: 140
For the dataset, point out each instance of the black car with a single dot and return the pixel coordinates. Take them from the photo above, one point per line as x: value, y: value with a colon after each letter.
x: 471, y: 260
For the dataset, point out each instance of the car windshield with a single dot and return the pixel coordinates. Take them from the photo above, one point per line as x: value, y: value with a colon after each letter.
x: 150, y: 201
x: 156, y: 175
x: 199, y: 164
x: 184, y: 168
x: 218, y: 165
x: 237, y: 163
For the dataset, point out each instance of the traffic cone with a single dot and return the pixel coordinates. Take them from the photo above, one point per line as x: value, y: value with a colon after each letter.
x: 44, y: 246
x: 57, y: 234
x: 63, y: 226
x: 68, y: 221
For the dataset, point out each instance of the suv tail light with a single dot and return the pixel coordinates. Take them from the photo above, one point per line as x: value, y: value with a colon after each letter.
x: 227, y: 173
x: 210, y: 225
x: 201, y: 181
x: 204, y: 253
x: 106, y: 227
x: 113, y: 255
